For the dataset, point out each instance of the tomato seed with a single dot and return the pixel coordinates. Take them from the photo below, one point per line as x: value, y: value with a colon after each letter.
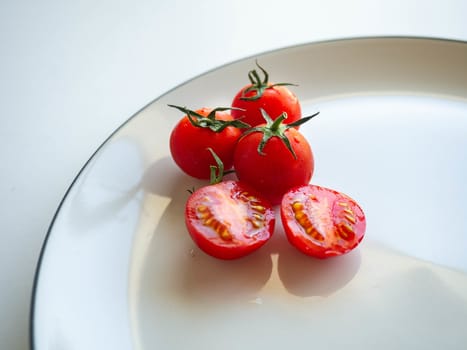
x: 315, y: 234
x: 296, y: 206
x: 346, y: 232
x: 258, y: 213
x: 202, y: 208
x: 299, y: 215
x: 225, y: 235
x: 258, y: 208
x: 304, y: 221
x: 256, y: 223
x: 350, y: 218
x: 210, y: 221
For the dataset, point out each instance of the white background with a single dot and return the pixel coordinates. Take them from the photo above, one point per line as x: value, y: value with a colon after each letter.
x: 72, y: 71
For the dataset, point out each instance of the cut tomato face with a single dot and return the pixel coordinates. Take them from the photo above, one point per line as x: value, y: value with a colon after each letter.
x: 229, y: 220
x: 321, y: 222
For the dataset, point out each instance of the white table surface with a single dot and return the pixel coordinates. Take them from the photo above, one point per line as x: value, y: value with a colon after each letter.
x: 72, y: 71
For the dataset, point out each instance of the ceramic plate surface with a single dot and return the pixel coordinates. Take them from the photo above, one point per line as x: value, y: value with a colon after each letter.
x: 119, y: 271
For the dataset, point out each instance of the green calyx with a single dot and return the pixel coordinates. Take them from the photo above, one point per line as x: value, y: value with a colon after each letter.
x: 217, y: 171
x: 258, y: 85
x: 276, y: 128
x: 210, y: 120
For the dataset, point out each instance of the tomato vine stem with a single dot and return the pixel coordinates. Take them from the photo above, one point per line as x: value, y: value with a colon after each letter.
x: 276, y: 128
x: 217, y: 171
x: 257, y: 85
x: 210, y: 121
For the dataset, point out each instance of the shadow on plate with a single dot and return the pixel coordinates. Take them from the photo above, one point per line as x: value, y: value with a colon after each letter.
x: 306, y: 276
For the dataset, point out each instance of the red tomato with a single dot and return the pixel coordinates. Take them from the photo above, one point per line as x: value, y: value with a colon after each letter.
x: 273, y: 158
x: 197, y: 131
x: 321, y: 222
x: 229, y: 220
x: 273, y: 98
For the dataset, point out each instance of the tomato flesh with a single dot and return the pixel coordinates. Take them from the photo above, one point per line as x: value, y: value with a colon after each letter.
x: 275, y: 100
x: 322, y: 222
x: 229, y: 220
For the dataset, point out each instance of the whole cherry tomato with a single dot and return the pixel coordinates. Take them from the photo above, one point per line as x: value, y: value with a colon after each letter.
x: 274, y: 157
x: 261, y: 94
x: 198, y: 130
x: 322, y: 222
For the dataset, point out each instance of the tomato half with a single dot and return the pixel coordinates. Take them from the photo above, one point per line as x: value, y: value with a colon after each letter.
x: 261, y: 94
x: 229, y: 220
x: 192, y: 136
x: 322, y: 222
x: 264, y: 160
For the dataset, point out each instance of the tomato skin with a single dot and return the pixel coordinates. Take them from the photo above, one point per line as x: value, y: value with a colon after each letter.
x: 188, y: 145
x: 335, y: 222
x: 276, y: 171
x: 233, y: 210
x: 275, y: 100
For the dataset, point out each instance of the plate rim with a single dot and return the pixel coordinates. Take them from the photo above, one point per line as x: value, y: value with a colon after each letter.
x: 43, y: 249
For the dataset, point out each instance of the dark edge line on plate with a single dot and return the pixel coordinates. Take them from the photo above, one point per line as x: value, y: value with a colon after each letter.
x: 318, y: 42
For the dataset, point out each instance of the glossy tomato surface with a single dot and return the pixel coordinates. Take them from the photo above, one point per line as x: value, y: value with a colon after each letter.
x: 229, y: 220
x: 189, y: 145
x: 321, y: 222
x: 274, y: 100
x: 274, y: 171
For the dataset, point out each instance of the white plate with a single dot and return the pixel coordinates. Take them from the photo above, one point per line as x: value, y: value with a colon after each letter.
x: 118, y: 270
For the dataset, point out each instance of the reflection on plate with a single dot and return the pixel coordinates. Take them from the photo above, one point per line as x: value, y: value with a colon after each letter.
x: 119, y: 271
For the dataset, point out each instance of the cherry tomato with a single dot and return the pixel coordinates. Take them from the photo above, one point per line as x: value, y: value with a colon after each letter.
x: 229, y: 220
x: 261, y: 94
x: 321, y: 222
x: 274, y: 157
x: 198, y: 130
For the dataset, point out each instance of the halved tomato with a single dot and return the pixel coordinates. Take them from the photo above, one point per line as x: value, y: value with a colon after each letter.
x: 229, y: 220
x: 322, y: 222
